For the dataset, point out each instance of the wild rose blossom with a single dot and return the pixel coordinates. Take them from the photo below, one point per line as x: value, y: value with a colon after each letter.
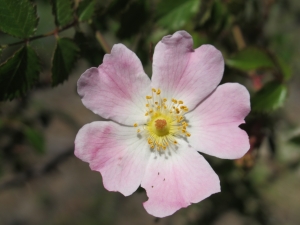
x: 156, y: 126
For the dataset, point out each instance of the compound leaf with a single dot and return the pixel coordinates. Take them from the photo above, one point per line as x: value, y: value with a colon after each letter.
x: 18, y: 18
x: 65, y: 56
x: 18, y: 73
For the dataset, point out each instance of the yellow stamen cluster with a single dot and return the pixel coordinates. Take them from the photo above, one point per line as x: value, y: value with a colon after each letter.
x: 166, y: 121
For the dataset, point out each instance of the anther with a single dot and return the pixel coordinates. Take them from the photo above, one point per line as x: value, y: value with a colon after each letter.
x: 164, y: 118
x: 179, y: 119
x: 135, y: 125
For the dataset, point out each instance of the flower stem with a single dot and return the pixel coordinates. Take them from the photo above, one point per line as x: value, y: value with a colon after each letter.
x: 103, y: 42
x: 55, y: 31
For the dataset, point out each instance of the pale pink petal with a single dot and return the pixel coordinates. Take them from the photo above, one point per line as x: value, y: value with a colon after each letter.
x: 117, y: 152
x: 183, y: 73
x: 116, y: 90
x: 176, y: 180
x: 214, y: 124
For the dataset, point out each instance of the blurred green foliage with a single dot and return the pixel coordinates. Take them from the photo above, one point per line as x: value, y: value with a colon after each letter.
x: 140, y: 22
x: 85, y: 10
x: 35, y: 138
x: 270, y: 97
x: 250, y: 59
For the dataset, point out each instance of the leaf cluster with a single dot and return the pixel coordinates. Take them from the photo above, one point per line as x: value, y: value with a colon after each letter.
x: 18, y: 18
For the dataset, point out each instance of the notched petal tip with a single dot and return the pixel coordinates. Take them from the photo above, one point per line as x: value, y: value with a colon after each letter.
x: 246, y: 94
x: 117, y: 48
x: 85, y: 80
x: 179, y: 37
x: 212, y: 52
x: 114, y: 90
x: 115, y: 51
x: 216, y: 122
x: 176, y: 182
x: 111, y: 150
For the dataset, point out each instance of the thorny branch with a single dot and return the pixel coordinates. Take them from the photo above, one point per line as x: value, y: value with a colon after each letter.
x: 54, y: 32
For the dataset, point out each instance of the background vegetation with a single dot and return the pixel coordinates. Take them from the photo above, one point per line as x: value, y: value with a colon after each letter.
x: 45, y: 46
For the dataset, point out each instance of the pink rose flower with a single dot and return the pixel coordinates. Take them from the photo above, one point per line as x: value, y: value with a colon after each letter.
x: 156, y: 127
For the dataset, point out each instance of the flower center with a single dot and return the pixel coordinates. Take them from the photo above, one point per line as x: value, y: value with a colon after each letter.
x: 166, y: 121
x: 160, y: 125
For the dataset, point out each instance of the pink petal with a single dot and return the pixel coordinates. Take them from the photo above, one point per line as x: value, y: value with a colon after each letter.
x: 116, y: 90
x: 214, y: 123
x: 116, y: 152
x: 183, y: 73
x: 175, y: 180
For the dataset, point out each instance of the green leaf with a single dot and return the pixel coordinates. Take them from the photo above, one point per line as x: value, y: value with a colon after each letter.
x: 18, y: 73
x: 18, y: 18
x: 65, y: 55
x: 174, y: 14
x: 295, y: 140
x: 219, y: 17
x: 63, y: 11
x: 35, y: 138
x: 284, y: 68
x: 90, y: 48
x: 199, y: 39
x: 133, y: 20
x: 250, y: 59
x: 270, y: 97
x: 86, y: 10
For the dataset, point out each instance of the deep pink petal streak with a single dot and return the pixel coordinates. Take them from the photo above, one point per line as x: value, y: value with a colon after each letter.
x: 117, y: 89
x: 177, y: 180
x: 183, y: 73
x: 214, y: 124
x: 116, y: 152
